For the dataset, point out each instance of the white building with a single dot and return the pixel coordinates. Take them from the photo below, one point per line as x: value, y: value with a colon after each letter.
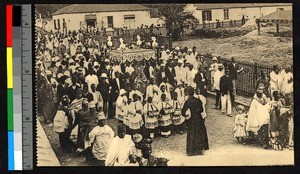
x: 82, y: 16
x: 233, y: 11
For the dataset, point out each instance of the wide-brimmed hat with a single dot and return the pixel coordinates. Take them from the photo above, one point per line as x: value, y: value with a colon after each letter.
x: 122, y: 91
x: 167, y: 50
x: 96, y: 64
x: 214, y: 59
x: 67, y: 73
x: 240, y: 107
x: 101, y: 116
x: 190, y: 50
x: 106, y: 60
x: 103, y: 75
x: 220, y: 65
x: 177, y: 48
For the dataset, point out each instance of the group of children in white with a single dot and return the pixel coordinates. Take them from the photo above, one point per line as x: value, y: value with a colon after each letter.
x: 160, y: 107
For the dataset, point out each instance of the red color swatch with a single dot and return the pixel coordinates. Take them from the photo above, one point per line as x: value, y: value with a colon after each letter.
x: 9, y: 25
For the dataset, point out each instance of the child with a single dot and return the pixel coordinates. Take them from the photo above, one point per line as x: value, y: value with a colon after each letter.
x: 275, y: 122
x: 239, y: 131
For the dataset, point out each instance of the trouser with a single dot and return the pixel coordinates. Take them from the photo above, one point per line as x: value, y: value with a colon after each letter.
x: 64, y: 138
x: 234, y: 86
x: 234, y: 92
x: 211, y: 82
x: 111, y: 110
x: 105, y: 108
x: 226, y: 103
x: 218, y: 99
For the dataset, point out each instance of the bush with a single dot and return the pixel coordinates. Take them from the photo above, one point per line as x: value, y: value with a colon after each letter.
x: 221, y: 33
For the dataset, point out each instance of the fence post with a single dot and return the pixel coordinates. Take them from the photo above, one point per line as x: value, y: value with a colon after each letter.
x: 255, y: 74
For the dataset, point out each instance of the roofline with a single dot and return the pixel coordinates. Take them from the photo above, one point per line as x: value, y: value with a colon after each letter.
x: 74, y: 5
x: 255, y: 6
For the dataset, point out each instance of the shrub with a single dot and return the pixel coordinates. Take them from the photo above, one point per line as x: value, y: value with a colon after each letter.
x: 221, y: 33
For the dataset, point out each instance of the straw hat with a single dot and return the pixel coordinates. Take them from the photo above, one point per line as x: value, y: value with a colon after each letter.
x: 122, y: 92
x: 103, y: 75
x: 96, y: 64
x: 214, y: 59
x: 67, y: 73
x: 240, y: 107
x: 101, y: 116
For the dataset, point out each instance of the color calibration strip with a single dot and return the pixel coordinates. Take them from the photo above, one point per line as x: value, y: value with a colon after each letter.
x: 11, y: 163
x: 14, y: 99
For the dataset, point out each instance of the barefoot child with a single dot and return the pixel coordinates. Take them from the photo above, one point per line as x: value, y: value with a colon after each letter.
x: 239, y: 131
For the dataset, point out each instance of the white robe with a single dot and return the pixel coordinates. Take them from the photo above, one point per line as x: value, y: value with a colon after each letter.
x: 102, y: 138
x: 119, y: 151
x: 258, y: 115
x: 91, y: 79
x: 150, y: 93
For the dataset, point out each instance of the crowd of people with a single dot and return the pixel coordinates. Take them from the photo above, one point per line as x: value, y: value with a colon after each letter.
x: 80, y: 87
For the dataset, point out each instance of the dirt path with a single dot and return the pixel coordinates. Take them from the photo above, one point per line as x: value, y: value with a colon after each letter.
x: 224, y: 149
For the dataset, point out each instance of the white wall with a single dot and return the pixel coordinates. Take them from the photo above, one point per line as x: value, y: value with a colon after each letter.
x: 73, y: 20
x: 236, y: 13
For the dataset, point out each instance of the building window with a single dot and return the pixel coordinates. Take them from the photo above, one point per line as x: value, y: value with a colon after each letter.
x: 110, y: 22
x: 58, y: 24
x: 129, y: 21
x: 54, y: 21
x: 206, y: 15
x: 226, y: 14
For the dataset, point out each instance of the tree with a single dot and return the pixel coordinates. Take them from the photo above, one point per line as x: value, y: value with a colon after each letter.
x: 46, y: 10
x: 174, y: 17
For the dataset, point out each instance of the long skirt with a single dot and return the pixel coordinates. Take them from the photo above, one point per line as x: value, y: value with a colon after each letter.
x: 177, y: 118
x: 263, y: 134
x: 151, y: 122
x: 135, y: 122
x: 197, y: 139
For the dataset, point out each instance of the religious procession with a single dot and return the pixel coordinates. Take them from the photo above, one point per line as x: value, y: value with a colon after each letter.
x: 153, y: 91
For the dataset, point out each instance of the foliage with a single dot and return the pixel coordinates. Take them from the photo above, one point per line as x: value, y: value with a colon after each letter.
x: 174, y: 17
x: 221, y: 33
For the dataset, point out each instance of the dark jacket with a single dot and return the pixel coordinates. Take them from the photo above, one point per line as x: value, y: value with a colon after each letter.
x: 115, y: 90
x: 226, y: 85
x: 233, y: 70
x: 72, y: 92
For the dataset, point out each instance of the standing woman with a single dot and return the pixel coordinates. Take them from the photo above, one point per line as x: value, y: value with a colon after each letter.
x: 197, y: 140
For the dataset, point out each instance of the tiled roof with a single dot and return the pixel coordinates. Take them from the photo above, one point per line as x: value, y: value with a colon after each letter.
x: 285, y: 15
x: 91, y: 8
x: 237, y: 5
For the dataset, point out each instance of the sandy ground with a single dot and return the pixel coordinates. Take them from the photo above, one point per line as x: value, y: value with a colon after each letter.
x: 224, y: 149
x: 264, y: 49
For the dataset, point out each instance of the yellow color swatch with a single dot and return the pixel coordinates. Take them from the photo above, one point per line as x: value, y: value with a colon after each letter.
x: 9, y: 61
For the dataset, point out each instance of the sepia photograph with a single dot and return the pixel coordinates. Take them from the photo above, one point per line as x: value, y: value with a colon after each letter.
x: 194, y: 84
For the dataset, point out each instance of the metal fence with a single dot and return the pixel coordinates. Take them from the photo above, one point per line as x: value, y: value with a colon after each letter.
x: 246, y: 80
